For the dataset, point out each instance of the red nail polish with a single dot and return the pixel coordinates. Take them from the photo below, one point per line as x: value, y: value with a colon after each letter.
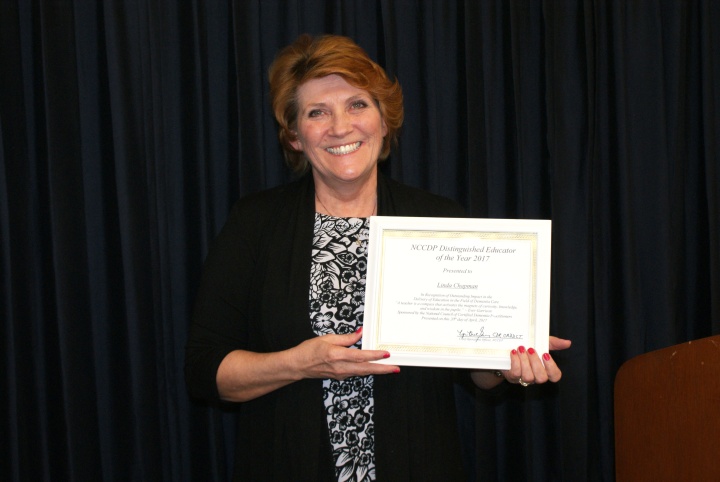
x: 546, y: 356
x: 359, y: 330
x: 521, y: 349
x: 514, y: 351
x: 531, y: 351
x: 386, y: 355
x: 397, y: 370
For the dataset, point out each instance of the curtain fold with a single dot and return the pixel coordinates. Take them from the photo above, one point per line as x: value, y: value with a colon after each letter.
x: 128, y: 129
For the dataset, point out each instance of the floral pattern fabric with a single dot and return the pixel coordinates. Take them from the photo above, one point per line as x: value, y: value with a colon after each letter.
x: 337, y: 301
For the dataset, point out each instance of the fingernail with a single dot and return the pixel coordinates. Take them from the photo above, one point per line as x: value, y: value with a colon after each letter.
x: 397, y: 370
x: 546, y: 356
x: 359, y: 330
x: 521, y: 349
x: 514, y: 351
x: 386, y: 355
x: 531, y: 351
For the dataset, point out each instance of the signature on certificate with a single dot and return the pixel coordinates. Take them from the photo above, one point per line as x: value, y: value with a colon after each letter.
x: 472, y: 335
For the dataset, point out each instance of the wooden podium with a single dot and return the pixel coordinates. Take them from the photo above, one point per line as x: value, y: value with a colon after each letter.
x: 667, y: 414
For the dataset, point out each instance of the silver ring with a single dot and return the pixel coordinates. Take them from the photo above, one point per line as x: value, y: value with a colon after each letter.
x: 521, y: 382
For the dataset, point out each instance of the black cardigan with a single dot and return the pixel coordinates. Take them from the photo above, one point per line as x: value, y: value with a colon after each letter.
x: 254, y: 296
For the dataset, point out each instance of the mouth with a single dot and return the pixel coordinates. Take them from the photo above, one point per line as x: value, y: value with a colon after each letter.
x: 342, y: 150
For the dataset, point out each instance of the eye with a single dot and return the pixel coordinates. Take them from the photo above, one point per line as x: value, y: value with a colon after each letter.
x: 315, y: 113
x: 359, y: 104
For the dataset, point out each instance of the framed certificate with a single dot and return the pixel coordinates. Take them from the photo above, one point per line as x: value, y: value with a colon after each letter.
x: 455, y: 292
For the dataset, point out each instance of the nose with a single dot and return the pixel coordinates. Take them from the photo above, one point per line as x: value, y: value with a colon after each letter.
x: 341, y: 124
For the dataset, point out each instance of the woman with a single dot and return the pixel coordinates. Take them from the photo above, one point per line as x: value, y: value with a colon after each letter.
x: 278, y: 317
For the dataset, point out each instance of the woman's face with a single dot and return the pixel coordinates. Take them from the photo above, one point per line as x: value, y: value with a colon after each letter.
x: 340, y: 130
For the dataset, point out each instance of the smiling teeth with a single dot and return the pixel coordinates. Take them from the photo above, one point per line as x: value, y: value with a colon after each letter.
x: 347, y: 149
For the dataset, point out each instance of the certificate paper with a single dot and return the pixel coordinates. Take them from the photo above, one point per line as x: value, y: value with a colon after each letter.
x: 453, y: 292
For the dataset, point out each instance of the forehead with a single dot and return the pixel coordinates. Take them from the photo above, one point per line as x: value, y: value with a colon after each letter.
x: 326, y: 90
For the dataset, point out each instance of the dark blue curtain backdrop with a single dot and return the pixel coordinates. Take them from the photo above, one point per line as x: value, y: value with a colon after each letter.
x: 129, y: 127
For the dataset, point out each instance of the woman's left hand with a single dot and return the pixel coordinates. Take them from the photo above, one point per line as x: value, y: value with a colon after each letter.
x: 526, y: 367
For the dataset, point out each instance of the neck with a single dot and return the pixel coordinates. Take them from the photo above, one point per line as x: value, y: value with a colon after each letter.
x: 349, y: 203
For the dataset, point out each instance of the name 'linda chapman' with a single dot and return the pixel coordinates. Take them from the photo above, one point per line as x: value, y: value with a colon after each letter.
x: 456, y: 286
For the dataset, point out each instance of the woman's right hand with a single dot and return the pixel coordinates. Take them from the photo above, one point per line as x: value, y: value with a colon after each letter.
x: 245, y: 375
x: 330, y: 356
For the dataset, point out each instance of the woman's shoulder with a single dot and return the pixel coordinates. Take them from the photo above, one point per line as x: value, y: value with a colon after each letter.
x: 265, y: 203
x: 257, y: 216
x: 405, y: 200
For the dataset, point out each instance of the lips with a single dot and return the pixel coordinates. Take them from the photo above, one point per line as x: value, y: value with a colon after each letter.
x: 342, y: 150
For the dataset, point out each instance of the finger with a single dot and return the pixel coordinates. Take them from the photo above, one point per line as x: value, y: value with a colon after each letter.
x: 537, y: 367
x: 355, y: 337
x: 527, y: 372
x: 515, y: 372
x: 378, y: 369
x: 365, y: 356
x: 350, y: 369
x: 346, y: 340
x: 339, y: 348
x: 553, y: 371
x: 559, y: 343
x: 341, y: 362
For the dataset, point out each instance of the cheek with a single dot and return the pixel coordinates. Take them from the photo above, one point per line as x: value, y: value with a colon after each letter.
x: 381, y: 128
x: 309, y: 136
x: 301, y: 139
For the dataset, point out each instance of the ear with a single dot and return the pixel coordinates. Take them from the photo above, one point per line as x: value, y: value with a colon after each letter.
x: 295, y: 143
x: 384, y: 128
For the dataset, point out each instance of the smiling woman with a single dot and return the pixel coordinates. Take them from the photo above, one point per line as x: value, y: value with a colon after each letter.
x: 311, y: 58
x: 278, y: 323
x: 340, y: 130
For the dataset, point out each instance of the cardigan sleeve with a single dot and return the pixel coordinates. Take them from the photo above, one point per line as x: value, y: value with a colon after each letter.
x: 247, y: 265
x: 220, y: 316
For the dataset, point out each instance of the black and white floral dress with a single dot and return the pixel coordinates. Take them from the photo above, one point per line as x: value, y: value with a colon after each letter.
x: 337, y: 300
